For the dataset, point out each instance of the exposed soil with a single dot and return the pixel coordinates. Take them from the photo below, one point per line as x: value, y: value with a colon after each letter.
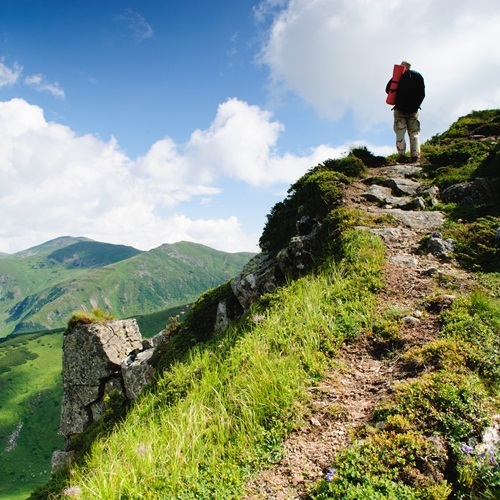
x: 365, y: 373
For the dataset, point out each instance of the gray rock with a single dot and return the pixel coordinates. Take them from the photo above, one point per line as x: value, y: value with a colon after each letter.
x: 297, y: 257
x: 260, y: 275
x: 411, y: 320
x: 477, y: 191
x: 402, y: 187
x: 92, y: 355
x: 430, y: 194
x: 154, y: 342
x: 221, y: 318
x: 377, y: 194
x: 401, y: 171
x: 383, y: 195
x: 403, y: 202
x: 420, y: 221
x: 137, y: 373
x: 442, y: 249
x: 61, y: 460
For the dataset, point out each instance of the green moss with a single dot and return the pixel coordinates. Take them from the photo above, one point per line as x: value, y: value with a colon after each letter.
x: 315, y: 194
x: 86, y: 318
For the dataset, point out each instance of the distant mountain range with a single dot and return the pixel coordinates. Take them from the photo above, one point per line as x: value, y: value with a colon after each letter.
x: 42, y: 286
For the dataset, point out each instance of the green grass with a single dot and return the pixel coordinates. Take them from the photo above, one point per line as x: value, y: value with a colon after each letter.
x: 223, y: 412
x: 30, y: 392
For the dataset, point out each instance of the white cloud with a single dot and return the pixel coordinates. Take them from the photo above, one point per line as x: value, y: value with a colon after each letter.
x: 135, y: 23
x: 39, y: 83
x: 9, y: 76
x: 55, y: 182
x: 338, y: 55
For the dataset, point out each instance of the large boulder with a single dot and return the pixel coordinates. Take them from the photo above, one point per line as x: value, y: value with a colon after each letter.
x: 92, y: 355
x: 101, y: 360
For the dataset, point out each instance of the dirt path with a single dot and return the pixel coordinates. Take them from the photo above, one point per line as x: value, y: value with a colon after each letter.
x: 345, y: 400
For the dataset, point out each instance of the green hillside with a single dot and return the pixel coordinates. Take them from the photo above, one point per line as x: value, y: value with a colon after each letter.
x: 42, y: 286
x: 39, y: 290
x: 30, y: 394
x: 402, y: 360
x: 30, y: 402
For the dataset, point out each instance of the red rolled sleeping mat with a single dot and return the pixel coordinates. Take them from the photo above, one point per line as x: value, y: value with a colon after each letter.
x: 397, y: 72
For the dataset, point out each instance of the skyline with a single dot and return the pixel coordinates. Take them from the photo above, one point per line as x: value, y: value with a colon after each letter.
x: 143, y: 123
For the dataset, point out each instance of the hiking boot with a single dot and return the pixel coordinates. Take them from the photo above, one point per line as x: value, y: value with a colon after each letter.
x: 415, y: 159
x: 401, y: 159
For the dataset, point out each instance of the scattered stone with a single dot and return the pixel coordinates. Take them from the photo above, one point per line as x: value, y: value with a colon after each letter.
x: 411, y: 320
x: 13, y: 438
x: 376, y: 193
x: 421, y: 221
x: 61, y: 460
x: 221, y: 318
x: 260, y: 275
x: 490, y: 442
x: 137, y: 373
x: 314, y: 421
x: 406, y: 171
x: 418, y: 203
x: 431, y: 271
x: 441, y: 249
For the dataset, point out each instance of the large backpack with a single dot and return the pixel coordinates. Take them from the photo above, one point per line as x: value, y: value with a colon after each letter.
x: 411, y: 92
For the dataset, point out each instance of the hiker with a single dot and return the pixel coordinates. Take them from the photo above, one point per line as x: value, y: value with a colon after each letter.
x: 409, y: 97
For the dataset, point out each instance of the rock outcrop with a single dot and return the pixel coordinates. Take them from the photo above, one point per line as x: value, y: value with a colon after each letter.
x: 265, y: 272
x: 477, y: 191
x: 100, y: 360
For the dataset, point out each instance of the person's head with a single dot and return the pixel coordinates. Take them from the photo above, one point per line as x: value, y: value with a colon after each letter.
x: 407, y: 64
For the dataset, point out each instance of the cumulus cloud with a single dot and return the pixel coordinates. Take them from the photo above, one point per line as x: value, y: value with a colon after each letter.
x: 56, y: 182
x: 338, y: 55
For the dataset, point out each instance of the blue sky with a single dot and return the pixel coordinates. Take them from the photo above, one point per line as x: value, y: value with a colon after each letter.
x: 155, y: 121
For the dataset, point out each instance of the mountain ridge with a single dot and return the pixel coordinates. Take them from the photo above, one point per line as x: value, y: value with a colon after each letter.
x: 41, y: 286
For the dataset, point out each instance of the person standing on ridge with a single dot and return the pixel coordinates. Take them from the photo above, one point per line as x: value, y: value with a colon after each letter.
x: 409, y: 96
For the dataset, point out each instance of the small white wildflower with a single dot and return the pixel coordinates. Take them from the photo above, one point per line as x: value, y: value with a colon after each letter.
x: 256, y: 318
x: 72, y: 491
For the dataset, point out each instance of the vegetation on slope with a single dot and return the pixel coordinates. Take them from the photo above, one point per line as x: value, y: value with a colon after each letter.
x: 223, y: 411
x: 30, y: 402
x: 222, y: 407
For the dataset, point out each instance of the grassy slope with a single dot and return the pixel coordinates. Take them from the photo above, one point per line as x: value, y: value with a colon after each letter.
x: 30, y: 392
x: 223, y: 412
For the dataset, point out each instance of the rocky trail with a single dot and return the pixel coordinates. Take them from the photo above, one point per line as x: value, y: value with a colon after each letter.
x: 364, y: 375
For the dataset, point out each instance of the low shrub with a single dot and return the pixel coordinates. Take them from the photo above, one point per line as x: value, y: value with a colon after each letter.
x: 477, y: 243
x: 449, y: 403
x: 388, y: 465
